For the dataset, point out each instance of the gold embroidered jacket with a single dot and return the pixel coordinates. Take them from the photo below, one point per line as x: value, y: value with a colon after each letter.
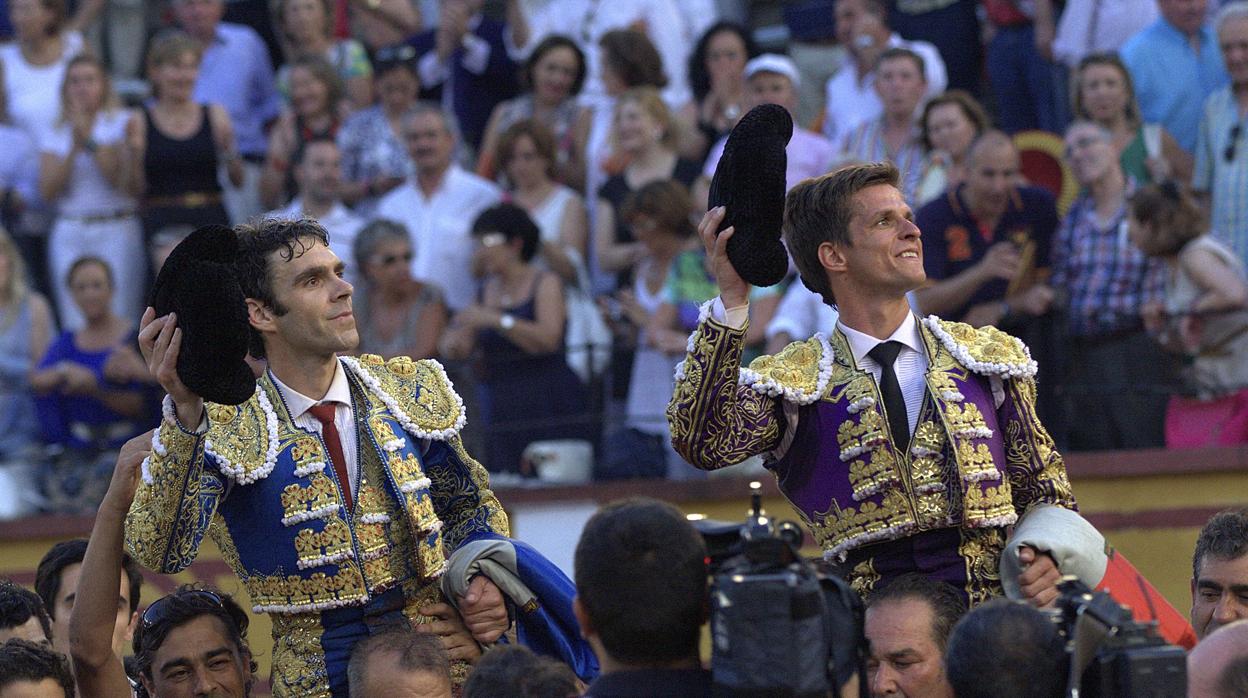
x: 819, y: 421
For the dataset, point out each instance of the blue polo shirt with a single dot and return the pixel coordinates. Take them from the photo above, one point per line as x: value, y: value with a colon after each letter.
x: 1171, y: 79
x: 953, y: 241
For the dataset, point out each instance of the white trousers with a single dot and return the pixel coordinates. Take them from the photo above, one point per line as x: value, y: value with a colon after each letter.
x: 119, y: 242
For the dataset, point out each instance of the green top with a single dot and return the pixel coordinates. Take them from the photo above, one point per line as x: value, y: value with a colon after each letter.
x: 1133, y: 157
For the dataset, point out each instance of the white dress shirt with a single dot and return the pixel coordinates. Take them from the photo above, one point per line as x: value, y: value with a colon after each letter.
x: 910, y: 366
x: 339, y: 393
x: 440, y: 226
x: 851, y: 103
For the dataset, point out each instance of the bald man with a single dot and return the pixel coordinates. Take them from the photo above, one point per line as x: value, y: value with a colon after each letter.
x: 1218, y: 667
x: 986, y: 242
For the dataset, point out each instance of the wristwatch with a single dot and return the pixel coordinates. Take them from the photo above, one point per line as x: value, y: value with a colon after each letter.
x: 507, y: 321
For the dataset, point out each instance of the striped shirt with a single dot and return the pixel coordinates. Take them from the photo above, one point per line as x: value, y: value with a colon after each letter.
x: 1226, y: 182
x: 866, y: 144
x: 1107, y: 279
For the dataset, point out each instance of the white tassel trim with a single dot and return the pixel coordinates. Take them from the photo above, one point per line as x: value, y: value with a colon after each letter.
x: 704, y: 312
x: 929, y: 488
x: 994, y: 522
x: 862, y: 403
x: 923, y: 451
x: 771, y: 388
x: 375, y: 518
x: 1026, y: 369
x: 375, y: 554
x: 315, y: 466
x: 415, y: 485
x: 309, y: 607
x: 981, y: 475
x: 854, y: 451
x: 393, y: 445
x: 392, y: 405
x: 322, y: 513
x: 952, y: 396
x: 239, y: 473
x: 322, y: 560
x: 975, y: 433
x: 840, y: 551
x: 872, y: 489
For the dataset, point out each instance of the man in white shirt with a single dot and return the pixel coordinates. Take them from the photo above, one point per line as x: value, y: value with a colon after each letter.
x: 438, y: 205
x: 862, y: 28
x: 318, y: 176
x: 888, y: 435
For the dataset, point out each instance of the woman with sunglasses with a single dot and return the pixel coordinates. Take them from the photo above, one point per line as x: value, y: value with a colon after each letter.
x: 397, y: 315
x: 517, y: 326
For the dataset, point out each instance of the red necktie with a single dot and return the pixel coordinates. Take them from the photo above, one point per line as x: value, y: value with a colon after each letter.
x: 324, y: 413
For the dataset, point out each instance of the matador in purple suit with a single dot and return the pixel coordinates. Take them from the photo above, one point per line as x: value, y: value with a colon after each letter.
x: 905, y: 444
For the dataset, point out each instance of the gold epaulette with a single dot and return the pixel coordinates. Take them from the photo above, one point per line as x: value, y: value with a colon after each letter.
x: 418, y: 393
x: 243, y: 439
x: 985, y: 350
x: 799, y: 373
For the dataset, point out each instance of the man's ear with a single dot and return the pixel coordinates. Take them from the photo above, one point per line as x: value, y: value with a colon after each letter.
x: 147, y: 684
x: 134, y: 623
x: 260, y: 315
x: 832, y: 257
x: 582, y: 617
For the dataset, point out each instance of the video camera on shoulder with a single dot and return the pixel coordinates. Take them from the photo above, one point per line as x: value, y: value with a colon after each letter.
x: 1111, y: 655
x: 780, y: 625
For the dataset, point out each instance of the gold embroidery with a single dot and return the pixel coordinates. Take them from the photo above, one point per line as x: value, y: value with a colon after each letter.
x: 372, y: 360
x: 405, y: 469
x: 868, y: 476
x: 850, y: 527
x: 863, y: 578
x: 333, y: 540
x: 304, y: 450
x: 796, y: 366
x: 975, y: 462
x: 402, y: 366
x: 296, y: 594
x: 980, y: 550
x: 369, y: 500
x: 298, y: 660
x: 987, y: 503
x: 300, y: 502
x: 381, y: 430
x: 987, y: 344
x: 964, y: 417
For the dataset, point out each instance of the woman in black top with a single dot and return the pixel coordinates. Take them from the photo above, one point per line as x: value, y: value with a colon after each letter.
x: 716, y: 76
x: 176, y: 144
x: 645, y: 133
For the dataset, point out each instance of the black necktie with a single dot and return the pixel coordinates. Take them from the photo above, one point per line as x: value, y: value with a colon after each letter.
x: 885, y: 353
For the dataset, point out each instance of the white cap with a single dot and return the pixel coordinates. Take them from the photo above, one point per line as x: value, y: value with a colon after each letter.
x: 774, y: 63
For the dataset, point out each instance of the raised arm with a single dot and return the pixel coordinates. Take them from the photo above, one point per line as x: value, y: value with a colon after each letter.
x: 714, y: 420
x: 98, y: 671
x: 177, y: 495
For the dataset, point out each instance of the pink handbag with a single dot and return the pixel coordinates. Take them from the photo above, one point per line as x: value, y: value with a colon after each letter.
x: 1192, y: 423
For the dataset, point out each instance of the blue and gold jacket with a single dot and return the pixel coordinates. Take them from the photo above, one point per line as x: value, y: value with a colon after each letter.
x: 260, y: 487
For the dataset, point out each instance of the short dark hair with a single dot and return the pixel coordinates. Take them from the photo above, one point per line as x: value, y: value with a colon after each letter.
x: 1225, y: 536
x: 819, y: 210
x: 415, y: 652
x: 1234, y: 678
x: 550, y: 43
x: 944, y: 600
x: 256, y: 241
x: 301, y: 150
x: 899, y: 52
x: 970, y: 107
x: 1006, y: 648
x: 633, y: 57
x: 184, y: 605
x: 86, y: 261
x: 515, y: 670
x: 666, y: 201
x: 641, y: 577
x: 536, y: 131
x: 1172, y: 214
x: 699, y: 76
x: 72, y: 552
x: 28, y: 661
x: 19, y: 604
x: 514, y: 223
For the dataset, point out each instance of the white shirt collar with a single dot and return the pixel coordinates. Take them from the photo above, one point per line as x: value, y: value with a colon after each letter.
x: 297, y: 403
x: 860, y: 343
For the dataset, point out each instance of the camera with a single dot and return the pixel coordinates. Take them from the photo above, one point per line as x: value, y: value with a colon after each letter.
x: 780, y: 625
x: 1110, y: 654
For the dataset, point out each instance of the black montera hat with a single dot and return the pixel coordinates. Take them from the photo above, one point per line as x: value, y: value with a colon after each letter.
x: 199, y: 283
x: 750, y: 184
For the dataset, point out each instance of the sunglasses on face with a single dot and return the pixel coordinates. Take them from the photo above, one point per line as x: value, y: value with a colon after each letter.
x: 160, y: 607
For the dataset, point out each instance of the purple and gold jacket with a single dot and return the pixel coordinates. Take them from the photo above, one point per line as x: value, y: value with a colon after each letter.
x: 976, y: 460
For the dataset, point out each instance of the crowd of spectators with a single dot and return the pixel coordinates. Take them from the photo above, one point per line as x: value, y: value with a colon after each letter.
x: 511, y: 187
